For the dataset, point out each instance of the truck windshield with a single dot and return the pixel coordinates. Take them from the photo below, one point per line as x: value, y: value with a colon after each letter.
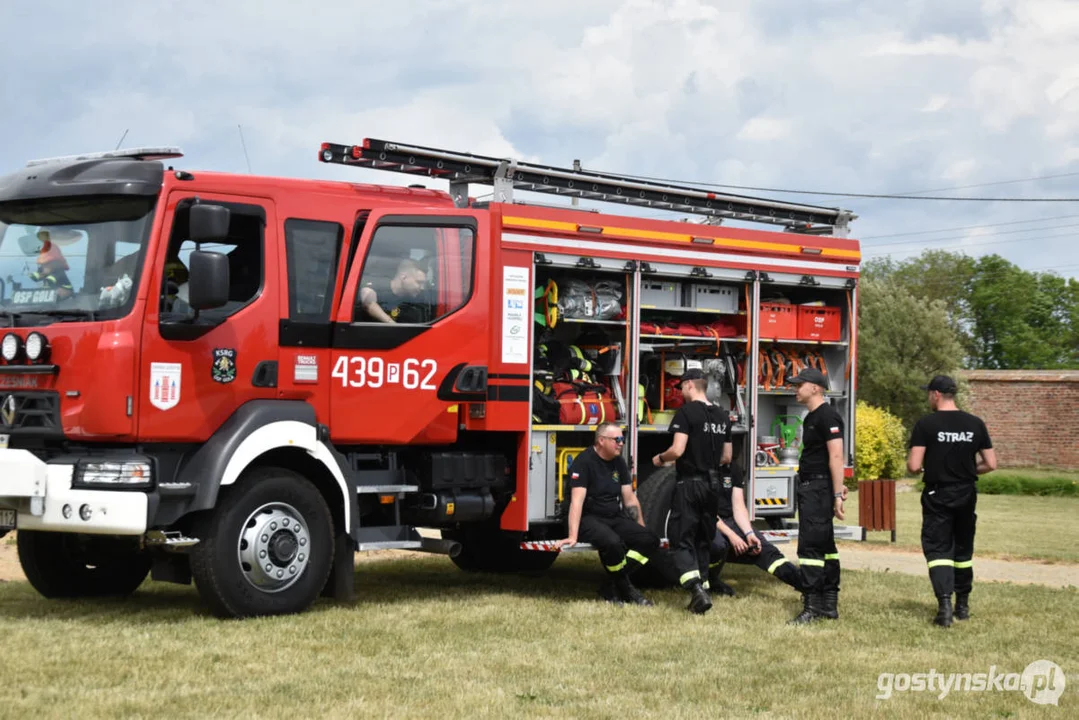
x: 71, y: 258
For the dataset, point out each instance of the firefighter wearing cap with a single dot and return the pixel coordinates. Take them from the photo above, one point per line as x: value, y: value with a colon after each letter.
x: 953, y: 448
x: 821, y: 493
x: 701, y: 446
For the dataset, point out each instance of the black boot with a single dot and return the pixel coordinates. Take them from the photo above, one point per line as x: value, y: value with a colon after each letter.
x: 627, y: 592
x: 944, y: 611
x: 699, y: 601
x: 962, y: 607
x: 810, y: 610
x: 608, y: 593
x: 717, y: 586
x: 829, y: 605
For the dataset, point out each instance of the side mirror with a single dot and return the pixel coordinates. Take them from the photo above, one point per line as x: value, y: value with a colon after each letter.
x: 208, y: 283
x: 208, y: 222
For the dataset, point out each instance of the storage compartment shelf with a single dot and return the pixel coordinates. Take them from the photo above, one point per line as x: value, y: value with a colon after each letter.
x: 590, y: 321
x: 692, y: 311
x: 571, y: 428
x: 792, y: 391
x: 802, y: 342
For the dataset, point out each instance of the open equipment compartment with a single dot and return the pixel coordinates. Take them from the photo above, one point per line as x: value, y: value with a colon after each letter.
x: 690, y: 316
x: 581, y: 374
x: 801, y: 321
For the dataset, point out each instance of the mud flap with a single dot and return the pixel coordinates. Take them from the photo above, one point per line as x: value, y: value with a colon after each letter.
x: 341, y: 584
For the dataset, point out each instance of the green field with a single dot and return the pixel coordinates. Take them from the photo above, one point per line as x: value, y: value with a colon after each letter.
x: 1013, y: 527
x: 426, y: 640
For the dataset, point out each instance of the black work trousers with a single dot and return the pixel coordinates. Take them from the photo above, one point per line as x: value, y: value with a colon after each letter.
x: 691, y: 527
x: 817, y: 553
x: 948, y: 522
x: 622, y: 542
x: 769, y: 559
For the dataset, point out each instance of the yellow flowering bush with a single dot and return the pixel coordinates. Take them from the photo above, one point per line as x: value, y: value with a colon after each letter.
x: 880, y: 450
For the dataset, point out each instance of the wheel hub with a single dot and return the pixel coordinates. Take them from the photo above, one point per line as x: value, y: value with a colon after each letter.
x: 274, y: 547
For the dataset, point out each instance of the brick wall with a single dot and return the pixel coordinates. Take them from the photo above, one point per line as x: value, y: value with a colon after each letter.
x: 1032, y: 415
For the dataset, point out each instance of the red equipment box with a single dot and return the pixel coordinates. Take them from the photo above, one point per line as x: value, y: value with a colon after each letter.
x: 779, y: 321
x: 818, y: 323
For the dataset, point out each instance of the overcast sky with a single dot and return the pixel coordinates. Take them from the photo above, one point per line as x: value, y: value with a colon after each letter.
x: 867, y: 96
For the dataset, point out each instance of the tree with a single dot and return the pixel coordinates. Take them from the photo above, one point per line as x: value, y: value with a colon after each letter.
x: 1004, y: 316
x: 1021, y: 319
x: 903, y: 341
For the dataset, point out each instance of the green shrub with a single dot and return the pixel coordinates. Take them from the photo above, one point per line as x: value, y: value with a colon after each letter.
x: 1016, y: 483
x: 880, y: 450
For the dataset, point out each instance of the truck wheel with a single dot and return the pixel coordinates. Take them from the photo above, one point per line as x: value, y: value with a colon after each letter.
x: 267, y: 548
x: 654, y: 494
x: 69, y: 565
x: 491, y: 551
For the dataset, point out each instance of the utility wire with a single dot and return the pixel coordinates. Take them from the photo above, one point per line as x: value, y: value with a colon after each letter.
x: 968, y: 227
x: 883, y: 196
x: 869, y: 246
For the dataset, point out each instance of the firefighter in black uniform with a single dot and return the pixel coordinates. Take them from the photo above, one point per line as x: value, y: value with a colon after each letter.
x: 821, y: 493
x: 737, y: 541
x: 702, y: 444
x: 598, y: 479
x: 947, y: 444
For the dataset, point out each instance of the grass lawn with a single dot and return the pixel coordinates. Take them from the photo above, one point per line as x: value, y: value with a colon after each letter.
x: 427, y: 640
x: 1009, y: 526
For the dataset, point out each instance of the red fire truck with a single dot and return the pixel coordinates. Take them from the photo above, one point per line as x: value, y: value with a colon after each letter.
x: 241, y: 381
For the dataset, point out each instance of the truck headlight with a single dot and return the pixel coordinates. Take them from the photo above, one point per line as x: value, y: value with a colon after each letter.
x: 113, y: 474
x: 11, y: 347
x: 37, y: 347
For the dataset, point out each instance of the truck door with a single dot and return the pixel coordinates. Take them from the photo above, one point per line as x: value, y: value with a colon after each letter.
x: 196, y: 370
x: 411, y: 336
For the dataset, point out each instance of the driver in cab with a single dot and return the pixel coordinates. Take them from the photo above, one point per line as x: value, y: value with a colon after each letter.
x: 395, y: 300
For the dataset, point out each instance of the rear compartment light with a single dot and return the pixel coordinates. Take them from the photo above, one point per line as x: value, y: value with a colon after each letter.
x: 11, y: 347
x: 37, y: 347
x: 113, y: 474
x: 357, y: 151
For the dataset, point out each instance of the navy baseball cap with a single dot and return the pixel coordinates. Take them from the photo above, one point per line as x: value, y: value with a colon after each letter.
x: 942, y: 384
x: 809, y: 375
x: 692, y: 374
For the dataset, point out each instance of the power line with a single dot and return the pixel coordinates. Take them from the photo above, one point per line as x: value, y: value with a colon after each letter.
x: 968, y: 227
x: 990, y: 184
x: 970, y: 245
x: 961, y: 237
x: 880, y: 196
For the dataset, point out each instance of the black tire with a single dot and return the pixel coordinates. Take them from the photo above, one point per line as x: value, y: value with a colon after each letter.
x: 290, y: 565
x: 70, y: 565
x: 492, y: 551
x: 654, y: 494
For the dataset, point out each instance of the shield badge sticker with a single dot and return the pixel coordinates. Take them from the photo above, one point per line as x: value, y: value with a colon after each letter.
x: 165, y: 382
x: 224, y: 367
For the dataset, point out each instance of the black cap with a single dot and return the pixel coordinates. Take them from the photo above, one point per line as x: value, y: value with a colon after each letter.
x: 692, y: 374
x: 810, y: 375
x: 943, y: 384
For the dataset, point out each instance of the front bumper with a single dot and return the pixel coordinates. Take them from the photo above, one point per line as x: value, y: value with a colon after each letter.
x: 41, y: 494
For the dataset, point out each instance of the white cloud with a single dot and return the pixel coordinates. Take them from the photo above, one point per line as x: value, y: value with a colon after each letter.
x: 870, y: 97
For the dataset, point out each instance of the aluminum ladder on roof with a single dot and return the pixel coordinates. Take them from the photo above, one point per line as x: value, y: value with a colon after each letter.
x: 506, y: 175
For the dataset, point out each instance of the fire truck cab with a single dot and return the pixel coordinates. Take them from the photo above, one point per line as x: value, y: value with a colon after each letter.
x: 241, y: 381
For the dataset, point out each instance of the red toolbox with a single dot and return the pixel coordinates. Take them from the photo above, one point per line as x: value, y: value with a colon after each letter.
x: 779, y: 321
x: 819, y: 323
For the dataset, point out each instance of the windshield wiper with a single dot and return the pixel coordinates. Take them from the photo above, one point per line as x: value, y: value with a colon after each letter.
x: 88, y: 314
x: 11, y: 316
